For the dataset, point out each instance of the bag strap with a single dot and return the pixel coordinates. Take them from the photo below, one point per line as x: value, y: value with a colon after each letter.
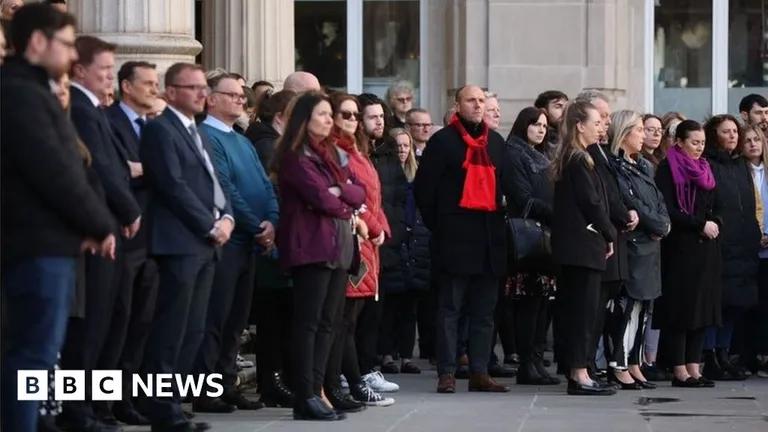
x: 527, y: 208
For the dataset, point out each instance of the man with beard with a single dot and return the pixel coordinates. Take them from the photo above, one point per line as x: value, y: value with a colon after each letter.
x: 458, y: 190
x: 754, y: 111
x: 553, y: 102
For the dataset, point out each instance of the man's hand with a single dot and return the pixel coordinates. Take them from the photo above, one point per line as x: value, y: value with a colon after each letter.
x: 130, y: 231
x: 711, y: 230
x: 267, y: 237
x: 136, y: 169
x: 378, y: 241
x: 104, y: 248
x: 634, y: 219
x: 222, y: 230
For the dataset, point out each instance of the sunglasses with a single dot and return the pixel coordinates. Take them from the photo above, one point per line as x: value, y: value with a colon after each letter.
x: 405, y: 99
x: 347, y: 115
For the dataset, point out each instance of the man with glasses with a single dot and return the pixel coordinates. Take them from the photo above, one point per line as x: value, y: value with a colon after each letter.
x: 254, y: 203
x: 400, y: 100
x: 50, y: 213
x: 419, y: 123
x: 188, y: 218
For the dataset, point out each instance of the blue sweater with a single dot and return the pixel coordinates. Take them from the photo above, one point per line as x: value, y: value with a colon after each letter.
x: 244, y: 182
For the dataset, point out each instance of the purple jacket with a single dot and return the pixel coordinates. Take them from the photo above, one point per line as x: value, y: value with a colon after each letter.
x: 307, y: 232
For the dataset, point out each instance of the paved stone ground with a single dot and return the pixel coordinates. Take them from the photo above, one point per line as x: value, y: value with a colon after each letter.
x: 734, y: 406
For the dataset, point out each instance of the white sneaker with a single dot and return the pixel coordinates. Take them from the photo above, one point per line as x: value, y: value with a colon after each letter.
x: 376, y: 381
x: 344, y: 383
x: 243, y: 363
x: 364, y: 394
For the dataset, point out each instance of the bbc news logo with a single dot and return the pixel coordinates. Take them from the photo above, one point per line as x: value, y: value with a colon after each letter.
x: 107, y: 385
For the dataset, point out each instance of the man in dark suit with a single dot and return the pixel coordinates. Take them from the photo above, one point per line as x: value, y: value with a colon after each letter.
x: 187, y: 218
x: 49, y: 213
x: 137, y: 284
x: 92, y: 76
x: 459, y: 186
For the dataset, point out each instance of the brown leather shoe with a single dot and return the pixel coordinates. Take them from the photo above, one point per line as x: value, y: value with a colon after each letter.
x: 446, y: 383
x: 463, y: 360
x: 484, y: 383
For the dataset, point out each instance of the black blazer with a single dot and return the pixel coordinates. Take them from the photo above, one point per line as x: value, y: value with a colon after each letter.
x: 464, y: 242
x: 581, y: 201
x: 47, y: 206
x: 181, y: 211
x: 128, y: 145
x: 108, y: 161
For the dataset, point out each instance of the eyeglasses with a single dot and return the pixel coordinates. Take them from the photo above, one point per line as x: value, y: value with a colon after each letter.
x: 66, y: 43
x: 236, y: 97
x: 347, y: 115
x: 405, y: 99
x: 653, y: 130
x: 421, y: 125
x: 193, y: 87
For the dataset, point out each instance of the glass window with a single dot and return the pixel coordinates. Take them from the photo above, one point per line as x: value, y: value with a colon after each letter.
x: 683, y: 57
x: 747, y: 50
x: 390, y: 44
x: 321, y: 40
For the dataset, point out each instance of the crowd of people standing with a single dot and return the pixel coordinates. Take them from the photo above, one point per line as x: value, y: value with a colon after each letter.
x: 146, y: 233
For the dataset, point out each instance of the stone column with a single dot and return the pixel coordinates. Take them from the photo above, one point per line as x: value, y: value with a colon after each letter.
x: 252, y: 38
x: 157, y: 31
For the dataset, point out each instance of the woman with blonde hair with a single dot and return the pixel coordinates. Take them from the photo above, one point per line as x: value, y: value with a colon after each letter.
x: 582, y: 241
x: 628, y: 311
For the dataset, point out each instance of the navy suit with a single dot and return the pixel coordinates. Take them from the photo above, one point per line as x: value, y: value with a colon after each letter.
x: 179, y: 217
x: 137, y: 282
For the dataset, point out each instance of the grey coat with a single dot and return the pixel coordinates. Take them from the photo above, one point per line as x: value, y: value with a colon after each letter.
x: 639, y: 192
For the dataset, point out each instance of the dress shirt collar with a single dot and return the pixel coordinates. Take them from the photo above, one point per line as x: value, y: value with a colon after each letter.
x: 218, y: 124
x: 186, y: 121
x: 94, y: 99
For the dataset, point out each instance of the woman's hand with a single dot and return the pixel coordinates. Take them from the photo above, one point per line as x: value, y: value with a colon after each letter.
x: 362, y: 229
x: 335, y: 191
x: 609, y: 252
x: 378, y: 241
x: 711, y: 230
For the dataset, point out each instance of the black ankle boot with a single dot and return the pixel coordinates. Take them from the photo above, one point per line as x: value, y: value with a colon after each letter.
x: 527, y: 374
x: 730, y: 372
x: 276, y: 393
x: 712, y: 369
x: 538, y: 363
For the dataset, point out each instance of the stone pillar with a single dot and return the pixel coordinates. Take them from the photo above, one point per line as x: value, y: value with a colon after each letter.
x: 252, y: 38
x: 157, y: 31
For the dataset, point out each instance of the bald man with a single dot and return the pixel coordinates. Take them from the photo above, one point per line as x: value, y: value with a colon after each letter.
x: 459, y: 188
x: 301, y: 82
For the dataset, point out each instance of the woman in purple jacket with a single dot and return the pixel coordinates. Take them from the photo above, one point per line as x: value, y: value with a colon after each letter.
x: 315, y: 237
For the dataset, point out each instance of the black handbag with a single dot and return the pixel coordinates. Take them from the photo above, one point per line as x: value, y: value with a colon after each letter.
x: 530, y: 247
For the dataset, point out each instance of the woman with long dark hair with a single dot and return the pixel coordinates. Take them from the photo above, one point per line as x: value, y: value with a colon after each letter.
x: 690, y: 256
x: 582, y: 240
x: 317, y: 200
x: 534, y: 193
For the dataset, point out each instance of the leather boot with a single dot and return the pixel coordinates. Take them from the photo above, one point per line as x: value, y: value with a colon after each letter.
x: 484, y: 383
x: 446, y: 383
x: 527, y: 374
x: 541, y: 368
x: 712, y: 369
x: 276, y: 393
x: 730, y: 372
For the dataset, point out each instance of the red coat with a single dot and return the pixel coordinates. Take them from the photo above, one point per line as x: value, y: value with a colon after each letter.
x: 365, y: 174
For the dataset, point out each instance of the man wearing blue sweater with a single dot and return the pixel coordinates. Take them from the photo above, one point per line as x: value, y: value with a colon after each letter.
x: 255, y: 208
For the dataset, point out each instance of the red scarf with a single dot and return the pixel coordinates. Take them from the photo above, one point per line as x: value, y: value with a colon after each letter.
x: 323, y: 149
x: 480, y: 184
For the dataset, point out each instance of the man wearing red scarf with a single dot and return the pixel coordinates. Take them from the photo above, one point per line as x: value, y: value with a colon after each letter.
x: 459, y: 186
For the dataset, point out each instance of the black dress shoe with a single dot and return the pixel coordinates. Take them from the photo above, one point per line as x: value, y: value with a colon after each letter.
x: 646, y: 384
x: 212, y: 405
x: 181, y: 427
x: 498, y: 371
x: 410, y: 368
x: 390, y: 368
x: 87, y: 425
x: 577, y: 389
x: 622, y: 385
x: 705, y: 382
x: 313, y: 409
x: 342, y: 402
x: 126, y: 413
x: 690, y: 382
x: 241, y: 402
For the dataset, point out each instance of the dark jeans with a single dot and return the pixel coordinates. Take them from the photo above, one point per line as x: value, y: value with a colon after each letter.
x: 425, y: 319
x: 367, y: 334
x: 343, y: 358
x: 36, y: 296
x: 478, y: 293
x: 274, y: 310
x: 505, y: 321
x: 178, y: 327
x: 720, y: 337
x: 681, y: 347
x: 318, y: 296
x: 227, y: 316
x: 582, y: 306
x: 398, y: 326
x: 86, y: 337
x: 137, y: 281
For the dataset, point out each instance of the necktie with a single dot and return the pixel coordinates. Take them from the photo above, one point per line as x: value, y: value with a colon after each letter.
x: 140, y: 122
x: 218, y: 195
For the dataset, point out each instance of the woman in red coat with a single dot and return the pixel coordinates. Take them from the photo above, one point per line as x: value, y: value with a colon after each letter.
x: 372, y: 229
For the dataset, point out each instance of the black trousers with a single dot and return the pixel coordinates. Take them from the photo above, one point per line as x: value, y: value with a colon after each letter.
x: 137, y: 281
x: 477, y: 295
x: 581, y: 295
x: 86, y: 336
x: 398, y: 325
x: 343, y: 357
x: 178, y: 326
x: 505, y: 320
x: 274, y: 310
x: 318, y: 296
x: 425, y: 319
x: 681, y: 347
x: 367, y: 334
x: 529, y: 318
x: 227, y: 315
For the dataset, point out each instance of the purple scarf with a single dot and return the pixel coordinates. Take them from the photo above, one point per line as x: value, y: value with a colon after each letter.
x: 688, y: 174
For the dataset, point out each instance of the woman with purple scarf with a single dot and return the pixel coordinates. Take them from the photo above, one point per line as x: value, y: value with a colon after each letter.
x: 690, y: 257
